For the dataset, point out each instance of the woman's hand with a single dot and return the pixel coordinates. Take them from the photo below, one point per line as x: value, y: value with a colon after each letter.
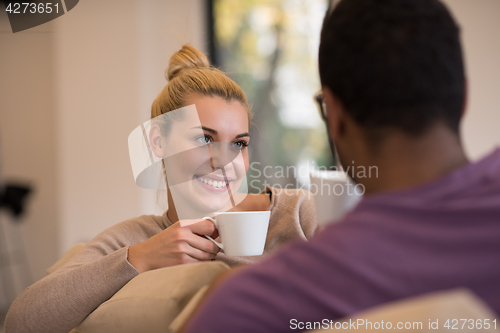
x: 174, y: 246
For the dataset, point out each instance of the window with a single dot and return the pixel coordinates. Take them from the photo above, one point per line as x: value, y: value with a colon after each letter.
x: 270, y: 48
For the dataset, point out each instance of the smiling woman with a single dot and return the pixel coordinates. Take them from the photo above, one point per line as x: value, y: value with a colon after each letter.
x: 204, y: 165
x: 204, y: 158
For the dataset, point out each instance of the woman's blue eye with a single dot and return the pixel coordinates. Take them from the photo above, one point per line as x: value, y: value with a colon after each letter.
x: 240, y: 145
x: 205, y: 139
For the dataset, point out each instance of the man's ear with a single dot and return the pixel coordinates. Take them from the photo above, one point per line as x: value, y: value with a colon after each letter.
x: 155, y: 141
x: 335, y: 114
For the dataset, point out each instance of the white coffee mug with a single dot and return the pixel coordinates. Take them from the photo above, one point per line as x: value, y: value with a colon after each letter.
x: 334, y: 193
x: 241, y: 233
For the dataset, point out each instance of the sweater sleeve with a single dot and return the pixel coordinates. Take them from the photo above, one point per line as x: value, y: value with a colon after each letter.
x: 61, y: 300
x: 307, y: 215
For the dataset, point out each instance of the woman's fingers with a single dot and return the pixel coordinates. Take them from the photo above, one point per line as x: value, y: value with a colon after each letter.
x: 203, y: 244
x: 203, y: 227
x: 187, y: 245
x: 199, y: 254
x: 173, y: 246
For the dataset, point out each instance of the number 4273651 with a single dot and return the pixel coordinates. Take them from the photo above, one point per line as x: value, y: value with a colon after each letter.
x: 31, y: 7
x: 472, y: 324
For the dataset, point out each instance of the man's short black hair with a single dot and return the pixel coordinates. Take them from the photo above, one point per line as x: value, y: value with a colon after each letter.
x: 394, y: 63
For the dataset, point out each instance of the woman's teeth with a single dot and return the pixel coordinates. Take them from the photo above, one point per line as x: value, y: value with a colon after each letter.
x: 214, y: 183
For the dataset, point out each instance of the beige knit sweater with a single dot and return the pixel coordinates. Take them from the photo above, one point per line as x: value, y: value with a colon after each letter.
x: 60, y: 301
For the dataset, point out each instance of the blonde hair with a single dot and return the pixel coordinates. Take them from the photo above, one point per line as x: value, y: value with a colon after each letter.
x: 189, y: 72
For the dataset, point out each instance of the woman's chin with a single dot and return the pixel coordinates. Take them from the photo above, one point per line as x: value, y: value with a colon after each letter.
x: 211, y: 201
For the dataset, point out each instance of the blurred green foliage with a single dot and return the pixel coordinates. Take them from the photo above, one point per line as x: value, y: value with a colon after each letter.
x: 269, y: 47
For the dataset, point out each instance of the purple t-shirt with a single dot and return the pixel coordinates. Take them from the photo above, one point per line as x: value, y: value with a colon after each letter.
x: 441, y: 235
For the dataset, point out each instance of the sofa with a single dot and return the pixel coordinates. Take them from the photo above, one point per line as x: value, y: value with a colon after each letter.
x: 162, y: 300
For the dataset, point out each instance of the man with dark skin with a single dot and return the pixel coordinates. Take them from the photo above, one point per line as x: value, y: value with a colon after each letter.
x: 394, y: 90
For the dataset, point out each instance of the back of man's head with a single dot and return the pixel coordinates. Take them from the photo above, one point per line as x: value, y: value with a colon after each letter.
x: 394, y: 63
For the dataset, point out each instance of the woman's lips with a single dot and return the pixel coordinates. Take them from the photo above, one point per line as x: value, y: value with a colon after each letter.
x: 213, y: 185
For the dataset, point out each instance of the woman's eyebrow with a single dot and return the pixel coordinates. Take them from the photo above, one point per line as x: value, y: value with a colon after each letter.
x: 242, y: 135
x: 210, y: 130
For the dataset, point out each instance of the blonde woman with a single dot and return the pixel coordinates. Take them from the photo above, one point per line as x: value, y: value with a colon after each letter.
x: 60, y: 301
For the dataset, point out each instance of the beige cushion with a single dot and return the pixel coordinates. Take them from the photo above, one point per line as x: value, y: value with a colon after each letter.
x: 162, y: 300
x: 65, y: 258
x: 440, y: 306
x: 151, y: 301
x: 187, y: 311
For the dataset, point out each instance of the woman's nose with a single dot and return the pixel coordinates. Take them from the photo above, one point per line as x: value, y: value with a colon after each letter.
x: 222, y: 155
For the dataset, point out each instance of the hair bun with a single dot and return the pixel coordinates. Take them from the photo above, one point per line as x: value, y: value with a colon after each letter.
x: 188, y: 57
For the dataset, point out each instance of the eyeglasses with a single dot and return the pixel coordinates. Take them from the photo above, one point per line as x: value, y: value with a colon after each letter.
x: 318, y: 97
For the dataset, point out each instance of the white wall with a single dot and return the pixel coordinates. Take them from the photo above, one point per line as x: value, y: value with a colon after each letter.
x: 27, y: 142
x: 71, y: 91
x: 97, y: 105
x: 111, y: 57
x: 480, y: 23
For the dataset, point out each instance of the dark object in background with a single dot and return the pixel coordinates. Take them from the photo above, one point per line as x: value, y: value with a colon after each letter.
x: 26, y: 15
x: 12, y: 197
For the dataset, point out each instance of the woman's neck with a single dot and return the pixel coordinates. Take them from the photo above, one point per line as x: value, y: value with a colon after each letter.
x: 251, y: 202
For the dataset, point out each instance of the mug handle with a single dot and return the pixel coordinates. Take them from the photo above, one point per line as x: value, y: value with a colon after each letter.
x: 213, y: 240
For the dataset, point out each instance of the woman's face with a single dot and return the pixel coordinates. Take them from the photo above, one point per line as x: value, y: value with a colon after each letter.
x: 214, y: 151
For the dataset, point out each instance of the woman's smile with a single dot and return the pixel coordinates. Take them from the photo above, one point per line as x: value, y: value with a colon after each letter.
x: 214, y: 183
x: 212, y: 186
